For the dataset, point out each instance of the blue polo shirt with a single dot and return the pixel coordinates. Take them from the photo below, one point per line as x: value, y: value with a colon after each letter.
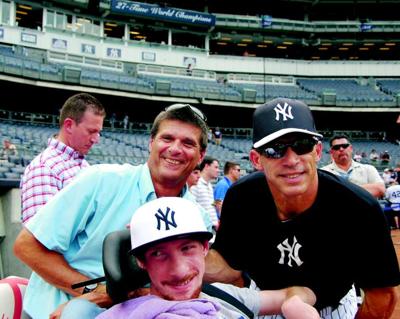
x: 221, y: 188
x: 75, y: 221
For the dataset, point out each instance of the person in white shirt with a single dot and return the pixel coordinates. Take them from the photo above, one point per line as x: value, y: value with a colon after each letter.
x: 203, y: 191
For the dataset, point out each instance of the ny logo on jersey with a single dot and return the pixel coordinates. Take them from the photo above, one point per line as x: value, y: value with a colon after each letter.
x: 168, y: 218
x: 291, y: 251
x: 285, y: 111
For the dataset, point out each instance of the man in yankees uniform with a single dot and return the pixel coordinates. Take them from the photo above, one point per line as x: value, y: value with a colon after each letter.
x: 292, y: 224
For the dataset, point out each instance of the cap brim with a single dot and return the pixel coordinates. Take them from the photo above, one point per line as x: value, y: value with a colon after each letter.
x: 282, y: 132
x: 199, y: 235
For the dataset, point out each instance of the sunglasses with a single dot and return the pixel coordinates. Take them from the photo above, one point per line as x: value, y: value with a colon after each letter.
x: 195, y: 110
x: 300, y: 147
x: 339, y: 146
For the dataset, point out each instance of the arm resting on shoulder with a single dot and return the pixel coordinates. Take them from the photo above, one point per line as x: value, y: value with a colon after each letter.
x: 218, y: 270
x: 48, y: 264
x: 378, y: 303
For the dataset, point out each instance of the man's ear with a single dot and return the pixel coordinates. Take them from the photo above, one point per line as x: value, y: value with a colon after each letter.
x: 202, y: 155
x: 206, y: 245
x: 151, y: 143
x: 140, y: 264
x: 318, y: 149
x: 255, y: 159
x: 68, y: 124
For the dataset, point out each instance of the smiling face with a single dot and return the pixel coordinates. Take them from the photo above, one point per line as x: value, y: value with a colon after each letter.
x: 176, y: 268
x: 174, y: 153
x: 292, y: 175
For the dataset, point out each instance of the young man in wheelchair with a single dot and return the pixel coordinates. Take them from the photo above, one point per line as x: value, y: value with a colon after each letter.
x: 170, y: 241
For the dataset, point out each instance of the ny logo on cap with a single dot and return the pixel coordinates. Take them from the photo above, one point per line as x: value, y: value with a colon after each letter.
x: 285, y: 111
x: 166, y: 218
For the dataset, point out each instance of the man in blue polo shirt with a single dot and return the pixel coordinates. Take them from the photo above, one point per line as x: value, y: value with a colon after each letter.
x: 62, y: 243
x: 231, y: 175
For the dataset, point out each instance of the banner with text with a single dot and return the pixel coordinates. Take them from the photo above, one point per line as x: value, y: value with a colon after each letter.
x: 162, y: 13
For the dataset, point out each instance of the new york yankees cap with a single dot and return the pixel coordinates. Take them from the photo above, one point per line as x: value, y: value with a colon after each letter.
x: 279, y: 117
x: 166, y: 218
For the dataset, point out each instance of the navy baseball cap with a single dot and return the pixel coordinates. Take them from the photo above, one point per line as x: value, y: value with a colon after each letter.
x: 279, y: 117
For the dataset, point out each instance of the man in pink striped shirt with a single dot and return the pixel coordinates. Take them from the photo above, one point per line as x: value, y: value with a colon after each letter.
x: 81, y: 121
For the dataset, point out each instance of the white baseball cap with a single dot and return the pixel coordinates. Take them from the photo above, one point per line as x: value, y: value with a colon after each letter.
x: 166, y: 218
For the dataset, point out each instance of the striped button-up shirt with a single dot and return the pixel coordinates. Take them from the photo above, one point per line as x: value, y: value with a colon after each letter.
x: 47, y: 174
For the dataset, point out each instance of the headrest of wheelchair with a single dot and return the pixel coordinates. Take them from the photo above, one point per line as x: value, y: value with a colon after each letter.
x: 166, y: 218
x: 122, y: 273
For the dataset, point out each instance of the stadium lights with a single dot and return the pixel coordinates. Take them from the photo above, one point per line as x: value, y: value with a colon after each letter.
x: 134, y: 32
x: 24, y: 7
x: 323, y: 49
x: 281, y: 47
x: 347, y: 44
x: 221, y: 43
x: 390, y: 44
x: 111, y: 24
x: 384, y: 49
x: 343, y: 49
x: 363, y: 49
x: 247, y: 40
x: 262, y: 45
x: 268, y: 41
x: 287, y: 42
x: 369, y: 44
x: 326, y: 44
x: 226, y: 38
x: 242, y: 44
x: 22, y: 12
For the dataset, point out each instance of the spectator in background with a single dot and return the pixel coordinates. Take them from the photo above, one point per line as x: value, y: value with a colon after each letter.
x: 389, y: 177
x: 81, y: 121
x: 203, y: 191
x: 358, y: 157
x: 364, y: 175
x: 231, y: 175
x: 392, y: 207
x: 113, y: 119
x: 314, y: 228
x: 125, y: 122
x: 210, y: 135
x: 189, y: 69
x: 217, y: 136
x: 8, y: 149
x: 373, y: 156
x: 194, y: 177
x: 385, y: 158
x: 63, y: 243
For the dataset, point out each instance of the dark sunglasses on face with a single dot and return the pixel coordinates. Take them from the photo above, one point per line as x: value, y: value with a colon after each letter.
x: 195, y: 110
x: 300, y: 147
x: 339, y: 146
